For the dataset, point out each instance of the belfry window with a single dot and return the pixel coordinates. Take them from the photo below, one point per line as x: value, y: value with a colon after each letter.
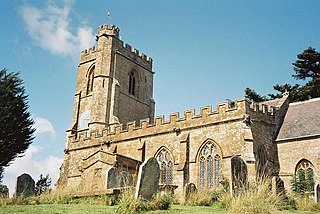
x: 209, y: 167
x: 132, y: 83
x: 166, y: 166
x: 90, y: 79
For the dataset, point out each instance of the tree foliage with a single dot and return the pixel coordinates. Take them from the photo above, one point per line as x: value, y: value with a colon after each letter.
x: 43, y: 184
x: 16, y: 132
x: 307, y: 68
x: 303, y: 182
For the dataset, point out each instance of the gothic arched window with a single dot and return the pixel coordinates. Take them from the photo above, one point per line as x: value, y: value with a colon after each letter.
x: 304, y: 177
x: 210, y: 167
x: 90, y: 78
x: 166, y: 165
x: 132, y: 83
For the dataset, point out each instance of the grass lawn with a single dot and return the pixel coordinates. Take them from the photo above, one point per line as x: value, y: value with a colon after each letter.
x: 83, y: 208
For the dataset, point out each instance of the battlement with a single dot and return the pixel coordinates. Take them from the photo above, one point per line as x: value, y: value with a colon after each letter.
x: 224, y: 112
x: 88, y: 51
x: 263, y: 108
x: 108, y: 30
x: 135, y: 53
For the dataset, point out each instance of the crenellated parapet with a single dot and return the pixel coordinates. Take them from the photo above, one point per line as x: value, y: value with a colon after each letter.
x: 133, y: 53
x: 108, y: 30
x: 263, y: 108
x: 88, y: 51
x: 175, y: 123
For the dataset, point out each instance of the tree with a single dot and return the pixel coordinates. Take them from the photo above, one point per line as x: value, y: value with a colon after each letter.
x: 306, y: 67
x: 43, y: 184
x: 253, y: 95
x: 16, y: 132
x: 302, y: 182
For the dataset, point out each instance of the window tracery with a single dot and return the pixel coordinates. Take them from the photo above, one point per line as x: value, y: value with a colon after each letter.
x: 210, y: 167
x: 304, y: 176
x: 166, y: 163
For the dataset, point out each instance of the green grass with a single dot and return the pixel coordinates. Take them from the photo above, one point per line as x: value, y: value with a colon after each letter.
x: 83, y: 208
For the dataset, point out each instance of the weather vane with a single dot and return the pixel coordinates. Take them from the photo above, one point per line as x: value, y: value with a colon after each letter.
x: 109, y: 15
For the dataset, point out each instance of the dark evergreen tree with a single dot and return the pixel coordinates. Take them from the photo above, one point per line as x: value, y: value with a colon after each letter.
x: 43, y: 184
x: 253, y: 95
x: 307, y: 67
x: 16, y: 132
x: 303, y: 182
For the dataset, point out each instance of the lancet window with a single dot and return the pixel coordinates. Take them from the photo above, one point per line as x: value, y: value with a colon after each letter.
x: 209, y: 167
x: 90, y: 79
x: 166, y: 166
x: 132, y: 83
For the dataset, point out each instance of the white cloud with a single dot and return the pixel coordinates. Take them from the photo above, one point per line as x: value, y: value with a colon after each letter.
x: 49, y: 28
x: 27, y: 164
x: 43, y: 126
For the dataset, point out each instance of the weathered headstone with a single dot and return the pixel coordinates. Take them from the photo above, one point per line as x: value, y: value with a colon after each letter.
x: 278, y: 187
x: 190, y: 189
x: 317, y: 193
x: 113, y: 178
x: 238, y: 174
x: 125, y: 179
x: 148, y: 179
x: 25, y: 185
x: 4, y: 191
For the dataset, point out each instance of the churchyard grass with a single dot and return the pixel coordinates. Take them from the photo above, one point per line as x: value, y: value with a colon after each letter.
x: 85, y: 208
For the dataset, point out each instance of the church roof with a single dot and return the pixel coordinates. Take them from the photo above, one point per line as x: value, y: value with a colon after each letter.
x: 276, y: 102
x: 302, y: 119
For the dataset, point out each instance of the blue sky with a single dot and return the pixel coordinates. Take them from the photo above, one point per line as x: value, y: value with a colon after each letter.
x: 204, y: 52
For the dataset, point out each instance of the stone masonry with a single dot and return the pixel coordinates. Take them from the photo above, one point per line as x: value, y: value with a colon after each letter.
x: 113, y: 125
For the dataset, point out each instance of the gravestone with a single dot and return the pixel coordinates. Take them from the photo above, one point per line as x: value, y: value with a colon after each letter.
x: 317, y: 193
x: 125, y: 179
x: 25, y: 185
x: 238, y: 174
x: 278, y: 187
x: 113, y: 178
x: 4, y: 191
x: 190, y: 189
x: 148, y: 179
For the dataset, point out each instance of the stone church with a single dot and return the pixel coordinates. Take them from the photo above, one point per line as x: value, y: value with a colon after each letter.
x: 113, y: 127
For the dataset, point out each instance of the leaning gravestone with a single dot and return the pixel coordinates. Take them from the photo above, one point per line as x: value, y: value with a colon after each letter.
x: 238, y: 174
x: 190, y: 189
x: 25, y: 185
x: 4, y: 191
x: 148, y: 179
x: 113, y: 180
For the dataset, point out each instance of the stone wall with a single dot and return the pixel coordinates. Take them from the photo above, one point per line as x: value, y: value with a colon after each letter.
x: 293, y: 151
x: 182, y: 136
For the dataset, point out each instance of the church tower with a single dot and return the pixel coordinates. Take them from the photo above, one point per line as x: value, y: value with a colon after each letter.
x: 114, y: 84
